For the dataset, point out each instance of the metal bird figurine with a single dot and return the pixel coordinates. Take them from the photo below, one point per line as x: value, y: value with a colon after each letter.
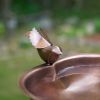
x: 71, y: 78
x: 47, y: 51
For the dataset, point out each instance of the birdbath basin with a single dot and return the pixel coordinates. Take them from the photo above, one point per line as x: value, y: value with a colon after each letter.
x: 71, y: 78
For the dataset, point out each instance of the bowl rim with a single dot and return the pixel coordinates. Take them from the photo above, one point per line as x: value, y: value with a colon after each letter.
x: 34, y: 70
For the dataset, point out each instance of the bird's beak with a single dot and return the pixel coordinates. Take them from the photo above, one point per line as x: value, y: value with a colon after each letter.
x: 57, y: 50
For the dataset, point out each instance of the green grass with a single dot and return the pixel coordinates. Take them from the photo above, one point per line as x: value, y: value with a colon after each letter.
x: 11, y: 70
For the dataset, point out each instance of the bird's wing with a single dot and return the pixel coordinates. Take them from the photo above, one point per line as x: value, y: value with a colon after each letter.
x: 44, y: 34
x: 37, y: 40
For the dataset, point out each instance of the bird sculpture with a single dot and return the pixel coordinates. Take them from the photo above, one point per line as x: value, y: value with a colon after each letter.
x: 47, y: 51
x: 71, y: 78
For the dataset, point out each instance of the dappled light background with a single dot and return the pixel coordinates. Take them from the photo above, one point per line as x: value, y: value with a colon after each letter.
x: 74, y: 25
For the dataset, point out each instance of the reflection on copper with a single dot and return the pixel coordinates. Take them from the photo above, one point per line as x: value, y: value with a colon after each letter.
x: 72, y: 78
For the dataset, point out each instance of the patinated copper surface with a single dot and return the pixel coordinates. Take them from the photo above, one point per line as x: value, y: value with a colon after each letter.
x: 72, y: 78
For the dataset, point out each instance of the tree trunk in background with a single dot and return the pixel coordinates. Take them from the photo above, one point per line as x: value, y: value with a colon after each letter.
x: 7, y: 17
x: 47, y: 4
x: 79, y: 5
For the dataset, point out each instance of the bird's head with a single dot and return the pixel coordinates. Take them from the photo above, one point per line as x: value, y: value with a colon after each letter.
x: 57, y: 50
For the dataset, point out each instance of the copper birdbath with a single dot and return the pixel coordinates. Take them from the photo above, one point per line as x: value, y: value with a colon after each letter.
x: 71, y: 78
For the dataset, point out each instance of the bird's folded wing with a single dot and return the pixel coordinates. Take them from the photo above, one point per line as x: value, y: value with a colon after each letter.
x: 37, y: 40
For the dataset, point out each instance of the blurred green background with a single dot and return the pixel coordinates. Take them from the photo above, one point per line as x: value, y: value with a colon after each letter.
x: 72, y: 24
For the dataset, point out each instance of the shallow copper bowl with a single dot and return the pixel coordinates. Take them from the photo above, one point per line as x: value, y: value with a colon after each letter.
x: 72, y: 78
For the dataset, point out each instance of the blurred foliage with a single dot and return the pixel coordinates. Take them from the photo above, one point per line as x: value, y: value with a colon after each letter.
x: 25, y: 7
x: 27, y: 11
x: 2, y: 29
x: 24, y: 43
x: 64, y: 8
x: 97, y: 25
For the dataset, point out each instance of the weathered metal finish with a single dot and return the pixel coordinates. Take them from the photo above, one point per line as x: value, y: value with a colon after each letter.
x: 72, y: 78
x: 47, y: 51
